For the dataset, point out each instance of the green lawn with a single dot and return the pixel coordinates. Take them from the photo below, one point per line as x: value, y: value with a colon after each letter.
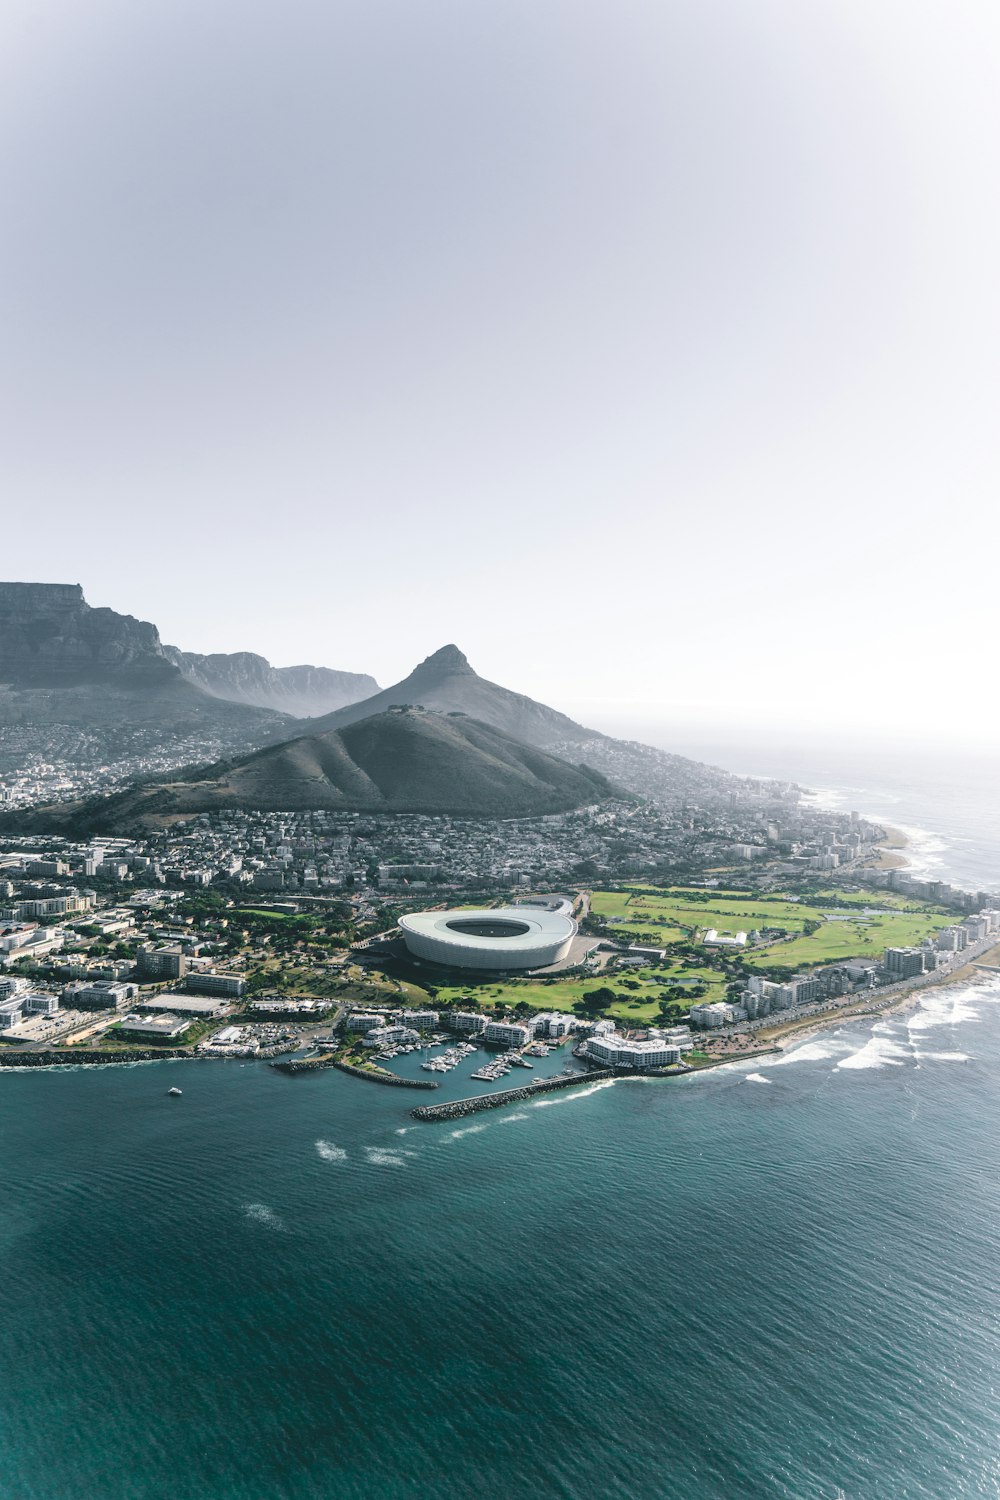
x: 638, y: 1005
x: 666, y: 914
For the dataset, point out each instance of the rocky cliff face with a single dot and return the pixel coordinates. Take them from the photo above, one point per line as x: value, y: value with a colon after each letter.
x: 243, y: 677
x: 52, y: 640
x: 50, y: 637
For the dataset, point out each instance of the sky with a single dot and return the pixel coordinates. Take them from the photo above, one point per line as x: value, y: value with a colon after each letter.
x: 647, y: 350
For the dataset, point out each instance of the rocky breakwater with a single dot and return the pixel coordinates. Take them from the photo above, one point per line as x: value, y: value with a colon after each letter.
x: 93, y: 1057
x: 373, y: 1075
x: 458, y: 1108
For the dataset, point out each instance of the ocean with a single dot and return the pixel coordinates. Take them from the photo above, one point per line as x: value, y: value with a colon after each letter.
x: 946, y: 800
x: 777, y: 1279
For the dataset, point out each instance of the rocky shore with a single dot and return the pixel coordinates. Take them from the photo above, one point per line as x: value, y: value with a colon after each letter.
x: 458, y: 1108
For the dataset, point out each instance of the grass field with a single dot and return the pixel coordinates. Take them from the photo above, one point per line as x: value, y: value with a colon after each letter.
x: 673, y: 916
x: 637, y: 1005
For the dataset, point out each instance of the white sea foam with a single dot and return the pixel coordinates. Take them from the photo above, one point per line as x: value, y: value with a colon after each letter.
x: 329, y: 1152
x: 509, y: 1119
x: 259, y: 1213
x: 456, y: 1135
x: 810, y: 1052
x: 944, y: 1056
x: 879, y: 1052
x: 566, y: 1098
x: 757, y: 1078
x: 402, y: 1130
x: 382, y: 1158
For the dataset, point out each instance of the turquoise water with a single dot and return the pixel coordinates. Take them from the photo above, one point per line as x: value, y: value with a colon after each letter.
x: 773, y: 1280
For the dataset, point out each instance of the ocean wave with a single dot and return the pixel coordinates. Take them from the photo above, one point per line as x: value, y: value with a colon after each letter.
x: 383, y: 1158
x: 329, y: 1152
x: 456, y: 1135
x: 567, y: 1098
x: 260, y: 1213
x: 879, y: 1052
x: 757, y: 1078
x: 509, y: 1119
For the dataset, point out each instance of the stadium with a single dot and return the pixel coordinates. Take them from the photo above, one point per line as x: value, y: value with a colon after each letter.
x: 509, y: 937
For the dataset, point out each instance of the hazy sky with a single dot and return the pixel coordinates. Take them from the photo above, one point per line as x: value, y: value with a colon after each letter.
x: 647, y: 349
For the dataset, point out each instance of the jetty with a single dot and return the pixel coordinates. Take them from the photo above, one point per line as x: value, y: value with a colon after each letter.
x: 457, y: 1109
x: 373, y: 1075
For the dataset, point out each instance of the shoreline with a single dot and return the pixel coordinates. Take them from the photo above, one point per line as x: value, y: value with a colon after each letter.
x: 785, y: 1037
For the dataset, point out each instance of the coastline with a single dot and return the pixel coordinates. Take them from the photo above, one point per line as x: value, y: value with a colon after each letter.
x: 890, y: 852
x: 794, y: 1032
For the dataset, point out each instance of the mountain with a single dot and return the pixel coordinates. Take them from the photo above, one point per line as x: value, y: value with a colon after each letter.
x: 63, y: 661
x: 405, y: 760
x: 243, y: 677
x: 446, y: 682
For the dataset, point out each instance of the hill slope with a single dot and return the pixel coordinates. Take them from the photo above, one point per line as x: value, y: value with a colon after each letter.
x: 446, y: 682
x: 402, y: 761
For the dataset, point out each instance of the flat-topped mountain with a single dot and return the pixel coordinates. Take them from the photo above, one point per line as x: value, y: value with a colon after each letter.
x: 50, y: 637
x: 62, y: 660
x: 244, y: 677
x: 405, y: 760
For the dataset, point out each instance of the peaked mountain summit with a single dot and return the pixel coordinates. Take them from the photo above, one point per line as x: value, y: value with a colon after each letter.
x: 446, y: 682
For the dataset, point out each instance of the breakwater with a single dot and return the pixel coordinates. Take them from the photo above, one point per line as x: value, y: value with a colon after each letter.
x: 78, y: 1057
x: 458, y: 1108
x: 373, y: 1075
x: 382, y: 1075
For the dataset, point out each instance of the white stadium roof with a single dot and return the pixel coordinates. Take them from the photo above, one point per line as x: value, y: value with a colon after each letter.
x: 506, y: 937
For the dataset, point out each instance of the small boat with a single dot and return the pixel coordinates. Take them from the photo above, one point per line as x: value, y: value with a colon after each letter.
x: 173, y: 1091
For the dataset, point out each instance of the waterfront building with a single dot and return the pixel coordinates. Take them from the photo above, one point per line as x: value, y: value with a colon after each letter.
x: 904, y: 963
x: 362, y: 1020
x: 161, y: 1028
x: 470, y: 1022
x: 508, y: 1033
x: 614, y: 1051
x: 718, y: 1013
x: 390, y: 1036
x: 423, y: 1020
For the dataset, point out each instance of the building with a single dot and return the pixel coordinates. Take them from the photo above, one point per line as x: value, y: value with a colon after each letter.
x: 161, y: 1028
x: 11, y: 1012
x: 422, y: 1020
x: 904, y: 963
x: 508, y: 1033
x: 715, y: 939
x: 552, y: 1023
x: 204, y: 1007
x: 470, y: 1022
x: 719, y: 1013
x: 361, y: 1020
x: 161, y: 963
x: 613, y: 1051
x: 501, y: 940
x: 99, y: 994
x: 205, y: 983
x: 390, y: 1036
x: 40, y: 1004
